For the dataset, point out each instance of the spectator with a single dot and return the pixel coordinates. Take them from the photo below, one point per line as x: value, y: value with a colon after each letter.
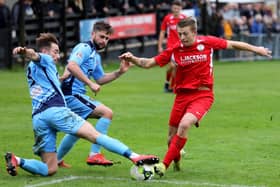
x: 149, y: 5
x: 107, y: 7
x: 227, y: 29
x: 5, y: 17
x: 129, y: 7
x: 27, y: 9
x: 163, y: 3
x: 216, y: 19
x: 275, y: 24
x: 168, y: 28
x: 257, y: 26
x: 139, y: 6
x: 240, y: 26
x: 247, y: 11
x: 258, y: 9
x: 74, y: 6
x: 53, y: 8
x: 231, y: 11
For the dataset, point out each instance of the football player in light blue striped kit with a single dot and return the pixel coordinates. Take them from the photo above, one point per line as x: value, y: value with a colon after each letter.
x: 50, y: 114
x: 84, y: 63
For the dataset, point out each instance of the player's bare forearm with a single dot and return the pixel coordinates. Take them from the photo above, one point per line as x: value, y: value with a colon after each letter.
x: 75, y: 70
x: 27, y: 52
x: 109, y: 77
x: 140, y: 62
x: 146, y: 62
x: 248, y: 47
x: 65, y: 75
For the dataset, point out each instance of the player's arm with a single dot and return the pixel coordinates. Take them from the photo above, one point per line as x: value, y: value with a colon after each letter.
x: 76, y: 71
x: 109, y: 77
x: 140, y: 62
x: 160, y: 40
x: 65, y: 75
x: 27, y: 52
x: 248, y: 47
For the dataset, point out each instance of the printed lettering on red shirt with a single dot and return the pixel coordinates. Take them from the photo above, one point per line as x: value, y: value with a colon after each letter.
x: 194, y: 63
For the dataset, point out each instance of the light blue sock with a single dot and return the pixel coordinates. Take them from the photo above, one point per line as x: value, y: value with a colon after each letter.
x: 34, y: 166
x: 66, y: 145
x: 102, y: 126
x: 113, y: 145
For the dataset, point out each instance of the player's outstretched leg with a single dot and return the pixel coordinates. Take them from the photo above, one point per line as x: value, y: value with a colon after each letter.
x: 98, y: 159
x: 29, y: 165
x: 65, y: 146
x: 95, y: 157
x: 88, y: 132
x: 145, y: 160
x: 11, y: 163
x: 118, y: 147
x: 173, y: 152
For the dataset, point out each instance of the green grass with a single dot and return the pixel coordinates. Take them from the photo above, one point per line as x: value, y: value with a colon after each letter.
x: 237, y: 143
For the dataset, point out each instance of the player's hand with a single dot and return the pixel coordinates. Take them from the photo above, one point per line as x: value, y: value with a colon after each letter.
x: 94, y: 87
x: 128, y: 56
x: 19, y: 50
x: 66, y: 74
x: 27, y: 52
x: 23, y: 51
x: 264, y: 52
x: 124, y: 66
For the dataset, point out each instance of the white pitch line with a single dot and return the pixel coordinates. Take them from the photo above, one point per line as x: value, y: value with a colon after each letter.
x: 176, y: 182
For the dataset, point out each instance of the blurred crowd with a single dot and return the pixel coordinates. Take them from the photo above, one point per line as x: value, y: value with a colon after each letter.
x: 94, y: 8
x: 225, y: 20
x: 242, y: 19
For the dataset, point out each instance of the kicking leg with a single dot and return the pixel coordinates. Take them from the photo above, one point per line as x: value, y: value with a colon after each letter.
x: 48, y: 165
x: 88, y: 132
x: 102, y: 126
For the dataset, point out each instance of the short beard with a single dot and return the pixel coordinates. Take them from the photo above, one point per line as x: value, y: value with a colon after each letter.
x: 97, y: 46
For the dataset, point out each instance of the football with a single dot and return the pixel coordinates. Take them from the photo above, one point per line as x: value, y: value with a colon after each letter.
x: 143, y: 172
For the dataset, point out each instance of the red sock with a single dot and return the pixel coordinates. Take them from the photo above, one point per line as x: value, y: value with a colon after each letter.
x: 173, y: 152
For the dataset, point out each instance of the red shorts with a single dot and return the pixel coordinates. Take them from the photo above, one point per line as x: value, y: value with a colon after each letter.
x: 197, y: 102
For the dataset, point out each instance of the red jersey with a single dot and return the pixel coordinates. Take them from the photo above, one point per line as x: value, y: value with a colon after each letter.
x: 169, y: 24
x: 194, y: 63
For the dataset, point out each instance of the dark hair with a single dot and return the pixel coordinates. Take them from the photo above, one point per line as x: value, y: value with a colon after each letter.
x: 45, y: 40
x: 177, y: 2
x: 188, y: 22
x: 103, y: 26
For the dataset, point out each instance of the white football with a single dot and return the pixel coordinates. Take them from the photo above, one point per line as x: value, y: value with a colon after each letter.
x: 144, y: 172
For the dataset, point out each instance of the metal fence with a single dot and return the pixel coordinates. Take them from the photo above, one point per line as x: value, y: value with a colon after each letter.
x: 271, y: 41
x: 5, y: 48
x: 7, y: 42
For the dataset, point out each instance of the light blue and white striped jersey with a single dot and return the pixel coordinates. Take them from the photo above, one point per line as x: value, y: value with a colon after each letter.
x: 44, y: 85
x: 86, y: 56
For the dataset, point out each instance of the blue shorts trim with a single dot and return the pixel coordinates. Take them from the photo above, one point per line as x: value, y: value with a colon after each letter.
x: 81, y: 104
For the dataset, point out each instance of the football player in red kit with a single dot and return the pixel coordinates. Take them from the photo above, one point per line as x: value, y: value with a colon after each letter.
x: 193, y: 81
x: 168, y: 28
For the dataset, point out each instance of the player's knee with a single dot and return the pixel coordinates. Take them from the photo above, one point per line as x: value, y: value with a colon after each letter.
x: 108, y: 113
x: 183, y: 129
x: 52, y: 169
x: 186, y: 126
x: 88, y: 132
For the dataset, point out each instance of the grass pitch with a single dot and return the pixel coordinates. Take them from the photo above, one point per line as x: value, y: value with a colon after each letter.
x: 236, y: 145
